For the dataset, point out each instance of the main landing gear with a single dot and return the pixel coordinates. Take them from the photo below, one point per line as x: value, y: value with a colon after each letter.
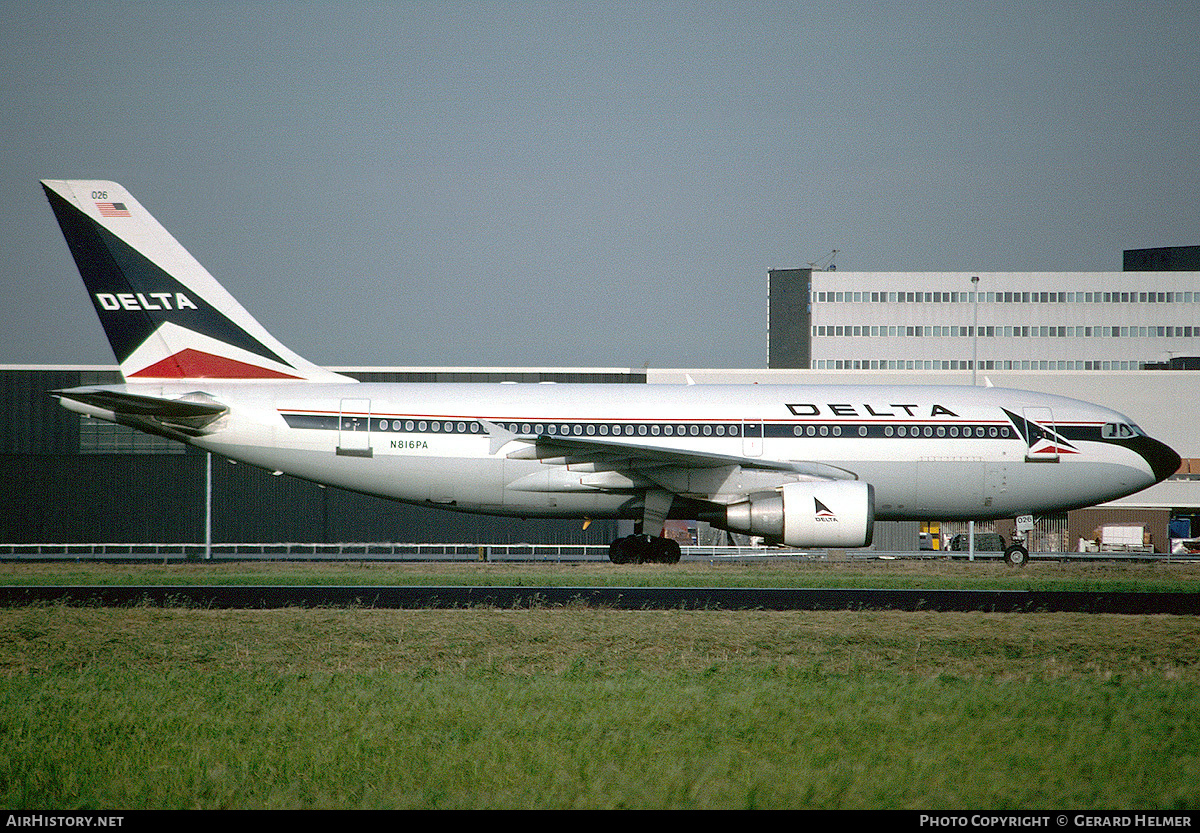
x: 647, y: 543
x: 639, y: 549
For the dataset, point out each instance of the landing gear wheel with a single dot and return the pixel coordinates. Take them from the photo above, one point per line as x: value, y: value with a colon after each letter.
x: 632, y: 549
x: 665, y: 550
x: 620, y: 551
x: 638, y: 549
x: 1016, y: 556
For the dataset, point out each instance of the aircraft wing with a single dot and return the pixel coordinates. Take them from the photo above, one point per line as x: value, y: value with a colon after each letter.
x: 577, y: 463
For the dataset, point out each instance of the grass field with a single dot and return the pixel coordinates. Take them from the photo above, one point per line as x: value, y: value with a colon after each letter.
x: 574, y: 707
x: 781, y: 572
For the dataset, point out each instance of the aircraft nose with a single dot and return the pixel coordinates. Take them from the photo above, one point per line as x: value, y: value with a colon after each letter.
x: 1163, y: 460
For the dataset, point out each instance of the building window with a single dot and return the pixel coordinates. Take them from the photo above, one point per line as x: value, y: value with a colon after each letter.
x: 96, y: 436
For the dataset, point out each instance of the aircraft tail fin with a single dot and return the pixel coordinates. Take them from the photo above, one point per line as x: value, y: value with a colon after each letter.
x: 165, y: 316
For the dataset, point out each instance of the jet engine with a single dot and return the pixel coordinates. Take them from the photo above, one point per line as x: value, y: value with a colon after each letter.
x: 837, y: 513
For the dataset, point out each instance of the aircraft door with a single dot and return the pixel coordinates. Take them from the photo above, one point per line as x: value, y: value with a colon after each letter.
x: 752, y: 437
x: 354, y: 428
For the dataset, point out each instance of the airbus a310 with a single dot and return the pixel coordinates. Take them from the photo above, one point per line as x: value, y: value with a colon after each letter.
x: 800, y: 466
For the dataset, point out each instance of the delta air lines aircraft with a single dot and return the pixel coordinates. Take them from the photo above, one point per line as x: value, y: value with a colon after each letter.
x: 801, y: 466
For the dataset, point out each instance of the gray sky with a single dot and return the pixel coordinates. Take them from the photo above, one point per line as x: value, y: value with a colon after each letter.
x: 585, y: 184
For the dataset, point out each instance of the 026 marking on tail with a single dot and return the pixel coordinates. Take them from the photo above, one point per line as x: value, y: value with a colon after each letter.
x: 801, y: 466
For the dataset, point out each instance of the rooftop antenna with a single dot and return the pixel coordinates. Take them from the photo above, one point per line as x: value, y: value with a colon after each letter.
x: 824, y: 264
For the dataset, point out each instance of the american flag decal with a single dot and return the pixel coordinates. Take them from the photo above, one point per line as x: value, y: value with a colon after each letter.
x: 112, y: 209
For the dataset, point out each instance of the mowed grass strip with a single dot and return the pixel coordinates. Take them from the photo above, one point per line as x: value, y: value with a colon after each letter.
x: 584, y: 708
x: 1158, y: 576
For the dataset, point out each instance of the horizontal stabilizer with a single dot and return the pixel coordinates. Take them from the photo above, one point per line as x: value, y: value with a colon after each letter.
x: 134, y: 404
x: 189, y: 416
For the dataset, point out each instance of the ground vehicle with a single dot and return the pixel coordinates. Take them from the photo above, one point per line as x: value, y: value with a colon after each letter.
x: 984, y: 542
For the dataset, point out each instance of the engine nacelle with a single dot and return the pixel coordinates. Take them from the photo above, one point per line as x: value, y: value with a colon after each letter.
x: 837, y: 513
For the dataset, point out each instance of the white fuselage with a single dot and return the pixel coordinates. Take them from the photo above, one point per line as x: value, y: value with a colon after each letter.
x: 929, y: 452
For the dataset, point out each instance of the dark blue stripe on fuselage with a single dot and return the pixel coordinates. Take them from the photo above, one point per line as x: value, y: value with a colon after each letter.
x: 643, y: 430
x: 1162, y: 460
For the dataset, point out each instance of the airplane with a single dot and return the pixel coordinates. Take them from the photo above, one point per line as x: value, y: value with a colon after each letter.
x: 809, y: 466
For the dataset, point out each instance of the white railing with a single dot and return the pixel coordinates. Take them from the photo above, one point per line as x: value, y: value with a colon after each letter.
x: 384, y: 551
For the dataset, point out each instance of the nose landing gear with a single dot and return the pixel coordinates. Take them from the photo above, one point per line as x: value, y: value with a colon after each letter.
x: 1016, y: 555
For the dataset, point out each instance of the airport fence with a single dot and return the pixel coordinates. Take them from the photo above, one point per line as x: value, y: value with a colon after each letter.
x: 384, y: 552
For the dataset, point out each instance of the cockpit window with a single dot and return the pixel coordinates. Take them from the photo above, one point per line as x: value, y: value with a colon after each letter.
x: 1119, y: 431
